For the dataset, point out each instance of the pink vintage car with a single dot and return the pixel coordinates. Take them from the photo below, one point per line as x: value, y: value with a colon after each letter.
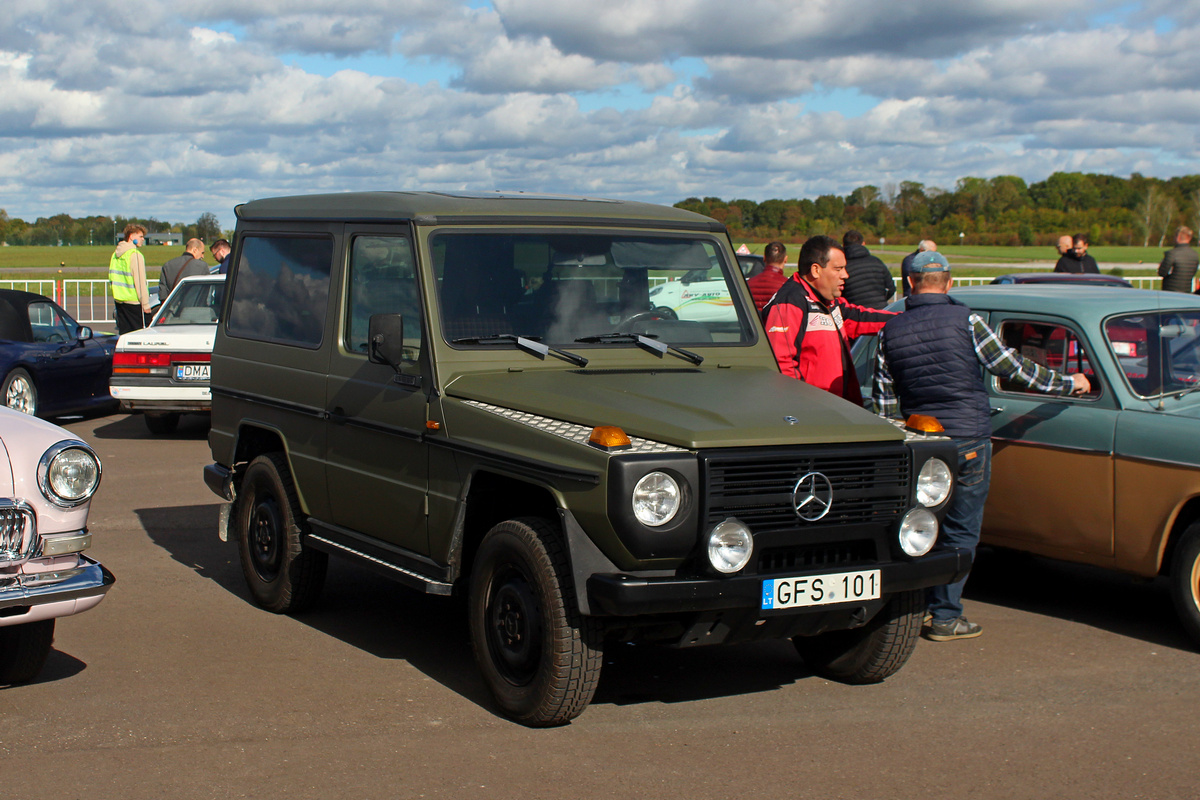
x: 47, y: 478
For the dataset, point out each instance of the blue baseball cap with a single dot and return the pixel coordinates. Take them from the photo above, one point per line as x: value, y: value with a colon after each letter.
x: 929, y: 261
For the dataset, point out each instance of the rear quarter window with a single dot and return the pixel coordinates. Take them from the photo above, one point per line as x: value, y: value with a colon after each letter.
x: 281, y: 290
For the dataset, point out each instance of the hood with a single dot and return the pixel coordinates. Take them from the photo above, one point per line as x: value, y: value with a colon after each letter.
x: 856, y: 251
x: 125, y: 247
x: 689, y: 408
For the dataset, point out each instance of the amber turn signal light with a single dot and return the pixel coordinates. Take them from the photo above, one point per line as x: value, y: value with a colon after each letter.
x: 609, y: 437
x: 923, y: 423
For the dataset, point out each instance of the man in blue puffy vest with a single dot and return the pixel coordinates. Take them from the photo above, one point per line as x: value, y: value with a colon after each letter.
x: 928, y: 363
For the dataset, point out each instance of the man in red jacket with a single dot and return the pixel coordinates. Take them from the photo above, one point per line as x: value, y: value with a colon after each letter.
x: 810, y: 326
x: 765, y: 284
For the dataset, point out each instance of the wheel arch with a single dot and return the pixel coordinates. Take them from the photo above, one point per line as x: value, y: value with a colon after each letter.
x: 255, y: 438
x: 491, y: 497
x: 1188, y: 514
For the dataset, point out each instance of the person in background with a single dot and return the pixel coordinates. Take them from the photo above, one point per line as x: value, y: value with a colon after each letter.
x: 220, y: 250
x: 928, y: 362
x: 810, y: 325
x: 1178, y: 267
x: 925, y: 245
x: 869, y: 282
x: 765, y: 284
x: 1077, y: 259
x: 182, y: 266
x: 127, y: 275
x: 1065, y: 243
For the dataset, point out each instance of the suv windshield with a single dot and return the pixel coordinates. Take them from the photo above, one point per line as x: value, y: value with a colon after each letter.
x: 1158, y: 352
x: 559, y: 288
x: 194, y: 304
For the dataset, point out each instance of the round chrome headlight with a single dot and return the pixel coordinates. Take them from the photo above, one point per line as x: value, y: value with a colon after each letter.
x: 933, y: 483
x: 69, y: 473
x: 918, y: 532
x: 656, y: 499
x: 730, y: 546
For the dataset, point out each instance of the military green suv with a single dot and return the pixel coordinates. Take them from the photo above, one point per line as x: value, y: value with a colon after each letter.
x: 474, y: 394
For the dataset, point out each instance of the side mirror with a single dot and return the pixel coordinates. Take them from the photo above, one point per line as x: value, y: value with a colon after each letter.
x: 83, y: 333
x: 385, y: 340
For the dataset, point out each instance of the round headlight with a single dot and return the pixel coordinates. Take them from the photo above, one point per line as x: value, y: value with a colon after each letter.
x: 68, y: 474
x: 656, y: 499
x: 918, y: 532
x: 933, y: 483
x: 730, y: 546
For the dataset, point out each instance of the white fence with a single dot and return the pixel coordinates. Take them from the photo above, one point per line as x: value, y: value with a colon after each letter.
x: 1146, y: 282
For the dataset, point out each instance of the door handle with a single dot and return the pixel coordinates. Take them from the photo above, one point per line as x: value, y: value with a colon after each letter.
x: 997, y: 410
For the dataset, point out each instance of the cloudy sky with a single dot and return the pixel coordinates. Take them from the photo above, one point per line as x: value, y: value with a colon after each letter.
x: 171, y: 109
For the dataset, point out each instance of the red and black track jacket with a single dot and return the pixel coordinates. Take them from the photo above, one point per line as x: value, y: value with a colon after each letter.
x: 811, y: 338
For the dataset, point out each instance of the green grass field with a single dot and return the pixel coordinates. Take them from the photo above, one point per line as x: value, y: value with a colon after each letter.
x: 73, y: 262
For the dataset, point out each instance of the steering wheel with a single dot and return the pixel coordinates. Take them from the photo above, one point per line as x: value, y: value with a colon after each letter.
x: 649, y: 315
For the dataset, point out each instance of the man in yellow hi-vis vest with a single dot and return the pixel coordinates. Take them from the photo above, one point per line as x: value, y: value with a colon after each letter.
x: 127, y: 274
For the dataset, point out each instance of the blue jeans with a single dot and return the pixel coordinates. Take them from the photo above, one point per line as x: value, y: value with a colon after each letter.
x: 963, y: 519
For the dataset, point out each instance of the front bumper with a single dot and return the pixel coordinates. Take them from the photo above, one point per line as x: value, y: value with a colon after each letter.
x: 31, y: 597
x: 629, y: 595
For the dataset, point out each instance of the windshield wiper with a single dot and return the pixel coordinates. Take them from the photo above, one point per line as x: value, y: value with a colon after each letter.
x: 525, y: 343
x: 648, y: 342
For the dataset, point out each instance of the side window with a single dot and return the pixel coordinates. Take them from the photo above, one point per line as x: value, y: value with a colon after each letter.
x: 1052, y: 346
x: 383, y: 280
x: 47, y: 324
x: 282, y: 290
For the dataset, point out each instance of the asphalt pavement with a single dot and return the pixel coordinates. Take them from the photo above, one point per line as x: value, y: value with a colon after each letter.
x: 177, y: 686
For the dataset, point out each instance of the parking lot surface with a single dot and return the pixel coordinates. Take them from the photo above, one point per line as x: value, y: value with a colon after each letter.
x: 177, y: 686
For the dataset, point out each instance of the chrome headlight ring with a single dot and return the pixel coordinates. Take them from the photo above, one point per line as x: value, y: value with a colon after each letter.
x: 62, y: 467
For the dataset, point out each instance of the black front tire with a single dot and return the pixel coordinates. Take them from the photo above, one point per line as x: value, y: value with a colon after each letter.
x: 1185, y: 580
x: 162, y: 424
x: 540, y: 658
x: 283, y: 574
x: 23, y: 650
x: 873, y: 652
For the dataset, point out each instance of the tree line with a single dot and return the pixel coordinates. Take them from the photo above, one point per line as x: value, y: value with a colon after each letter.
x: 986, y: 211
x: 63, y: 229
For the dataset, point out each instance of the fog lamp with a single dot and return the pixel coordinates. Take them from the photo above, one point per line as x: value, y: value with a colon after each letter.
x: 918, y: 532
x: 730, y: 546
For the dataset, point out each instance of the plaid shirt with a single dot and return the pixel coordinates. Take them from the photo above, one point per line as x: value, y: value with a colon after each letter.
x: 992, y: 354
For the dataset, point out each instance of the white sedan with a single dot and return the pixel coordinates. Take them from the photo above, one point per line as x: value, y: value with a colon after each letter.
x: 163, y: 370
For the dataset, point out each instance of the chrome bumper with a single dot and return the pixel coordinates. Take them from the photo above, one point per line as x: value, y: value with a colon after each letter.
x: 89, y: 579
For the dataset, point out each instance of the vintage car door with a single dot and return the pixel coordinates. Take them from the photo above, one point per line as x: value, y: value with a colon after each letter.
x: 376, y: 457
x: 1052, y: 464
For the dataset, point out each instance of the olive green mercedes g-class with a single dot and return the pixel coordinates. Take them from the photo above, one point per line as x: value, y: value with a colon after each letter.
x: 473, y: 393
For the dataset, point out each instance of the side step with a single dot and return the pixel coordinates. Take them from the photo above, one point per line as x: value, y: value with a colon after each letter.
x: 402, y: 566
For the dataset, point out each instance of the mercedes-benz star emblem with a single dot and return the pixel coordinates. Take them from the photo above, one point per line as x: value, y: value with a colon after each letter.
x: 812, y: 497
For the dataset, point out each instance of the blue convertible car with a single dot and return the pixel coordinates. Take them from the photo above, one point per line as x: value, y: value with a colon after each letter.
x: 51, y: 365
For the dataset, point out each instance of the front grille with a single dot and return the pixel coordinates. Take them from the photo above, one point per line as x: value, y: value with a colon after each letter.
x: 870, y: 484
x: 806, y: 557
x: 18, y: 531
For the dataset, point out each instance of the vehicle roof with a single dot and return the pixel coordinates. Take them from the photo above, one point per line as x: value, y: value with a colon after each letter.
x: 1063, y: 277
x: 1079, y: 302
x: 430, y: 208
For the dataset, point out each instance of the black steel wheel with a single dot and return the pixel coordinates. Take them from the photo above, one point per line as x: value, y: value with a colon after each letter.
x: 161, y: 424
x: 539, y: 657
x: 873, y: 652
x: 1185, y: 580
x: 282, y: 573
x: 23, y: 650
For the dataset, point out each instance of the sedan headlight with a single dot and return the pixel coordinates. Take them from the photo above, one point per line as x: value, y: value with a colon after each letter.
x: 918, y: 532
x: 934, y: 483
x: 656, y: 499
x: 69, y: 473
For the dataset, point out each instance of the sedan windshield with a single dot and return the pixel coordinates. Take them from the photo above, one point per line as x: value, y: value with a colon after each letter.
x: 1159, y: 352
x: 575, y: 290
x: 195, y: 303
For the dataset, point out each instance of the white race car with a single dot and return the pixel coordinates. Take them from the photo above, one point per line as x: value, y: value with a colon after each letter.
x: 163, y: 370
